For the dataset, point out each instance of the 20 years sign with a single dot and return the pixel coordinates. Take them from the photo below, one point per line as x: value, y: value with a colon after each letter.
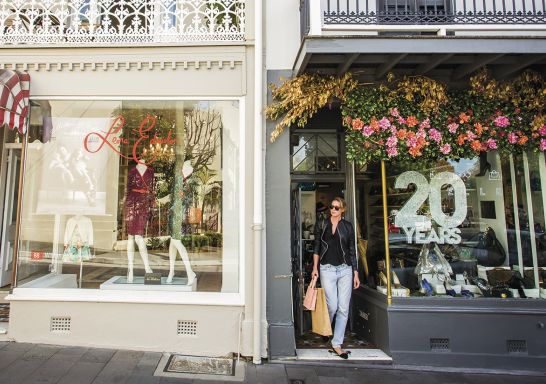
x: 418, y: 228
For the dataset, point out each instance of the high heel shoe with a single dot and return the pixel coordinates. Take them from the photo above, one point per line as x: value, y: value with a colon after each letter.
x: 383, y: 278
x: 449, y: 289
x: 485, y: 165
x: 395, y: 280
x: 427, y: 287
x: 482, y: 286
x: 516, y: 282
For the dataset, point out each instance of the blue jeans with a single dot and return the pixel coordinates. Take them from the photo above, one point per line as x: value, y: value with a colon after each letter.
x: 337, y: 282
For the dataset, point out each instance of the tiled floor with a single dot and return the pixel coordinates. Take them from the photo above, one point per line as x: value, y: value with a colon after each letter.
x: 311, y: 340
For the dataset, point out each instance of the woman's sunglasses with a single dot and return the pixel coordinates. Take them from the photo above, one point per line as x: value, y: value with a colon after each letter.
x: 335, y: 207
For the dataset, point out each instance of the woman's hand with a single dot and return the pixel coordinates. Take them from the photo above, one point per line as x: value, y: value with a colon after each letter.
x: 356, y: 281
x: 314, y: 274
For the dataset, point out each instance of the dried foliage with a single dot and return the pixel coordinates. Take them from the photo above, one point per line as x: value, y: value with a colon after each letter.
x: 298, y: 99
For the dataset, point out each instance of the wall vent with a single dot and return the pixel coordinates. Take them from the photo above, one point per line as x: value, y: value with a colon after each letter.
x: 439, y: 345
x: 516, y: 346
x: 186, y: 328
x: 59, y: 324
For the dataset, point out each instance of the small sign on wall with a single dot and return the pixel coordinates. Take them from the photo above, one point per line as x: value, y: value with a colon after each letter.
x: 37, y: 255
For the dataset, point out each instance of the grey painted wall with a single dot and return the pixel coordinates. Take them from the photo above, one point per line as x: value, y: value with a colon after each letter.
x: 278, y: 259
x: 478, y: 331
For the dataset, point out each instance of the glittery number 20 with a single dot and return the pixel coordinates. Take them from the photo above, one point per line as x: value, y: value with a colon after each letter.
x: 408, y: 217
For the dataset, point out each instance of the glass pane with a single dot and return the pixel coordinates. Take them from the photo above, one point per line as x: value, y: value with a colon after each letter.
x: 304, y: 149
x: 132, y: 195
x: 327, y: 153
x: 458, y: 228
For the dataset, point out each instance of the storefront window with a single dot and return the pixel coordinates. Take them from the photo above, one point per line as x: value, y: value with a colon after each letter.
x: 468, y: 228
x: 134, y: 195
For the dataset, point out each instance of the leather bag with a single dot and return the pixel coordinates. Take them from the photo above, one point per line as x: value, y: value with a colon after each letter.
x: 310, y: 299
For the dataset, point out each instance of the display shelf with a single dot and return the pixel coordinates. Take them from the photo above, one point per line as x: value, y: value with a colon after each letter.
x: 179, y: 284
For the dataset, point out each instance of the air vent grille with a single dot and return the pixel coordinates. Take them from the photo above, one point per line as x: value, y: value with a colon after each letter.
x: 516, y: 346
x: 439, y: 345
x: 60, y: 324
x: 187, y: 327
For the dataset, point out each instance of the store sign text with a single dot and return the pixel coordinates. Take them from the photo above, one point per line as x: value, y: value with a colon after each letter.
x: 95, y: 141
x: 418, y: 228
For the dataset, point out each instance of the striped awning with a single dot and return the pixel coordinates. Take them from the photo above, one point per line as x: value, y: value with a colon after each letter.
x: 14, y: 99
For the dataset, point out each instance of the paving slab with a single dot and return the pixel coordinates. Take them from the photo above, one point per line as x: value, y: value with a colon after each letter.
x: 271, y: 374
x: 83, y: 372
x: 119, y: 368
x: 52, y: 370
x: 98, y: 355
x: 306, y: 374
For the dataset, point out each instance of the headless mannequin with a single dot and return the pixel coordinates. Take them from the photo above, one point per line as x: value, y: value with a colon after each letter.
x: 139, y: 240
x: 176, y: 245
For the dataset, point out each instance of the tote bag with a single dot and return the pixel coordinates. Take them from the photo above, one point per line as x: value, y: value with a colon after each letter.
x: 311, y: 295
x: 320, y: 317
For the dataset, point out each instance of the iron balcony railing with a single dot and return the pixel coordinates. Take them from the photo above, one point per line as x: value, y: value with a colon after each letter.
x: 423, y: 12
x: 120, y: 22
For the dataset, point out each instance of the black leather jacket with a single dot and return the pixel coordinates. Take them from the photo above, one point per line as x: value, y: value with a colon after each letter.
x: 346, y: 237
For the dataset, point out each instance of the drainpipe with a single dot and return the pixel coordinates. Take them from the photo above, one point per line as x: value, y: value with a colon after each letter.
x: 257, y: 225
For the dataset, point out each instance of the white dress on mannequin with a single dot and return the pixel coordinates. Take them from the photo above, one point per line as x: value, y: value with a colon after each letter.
x: 176, y: 245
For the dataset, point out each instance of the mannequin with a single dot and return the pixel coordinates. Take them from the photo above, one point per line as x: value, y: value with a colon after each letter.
x: 78, y: 238
x: 138, y: 204
x: 181, y: 200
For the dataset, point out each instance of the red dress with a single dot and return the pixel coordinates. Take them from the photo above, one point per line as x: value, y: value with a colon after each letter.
x: 139, y: 200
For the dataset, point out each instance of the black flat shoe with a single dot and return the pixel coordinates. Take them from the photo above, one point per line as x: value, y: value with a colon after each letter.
x: 344, y: 355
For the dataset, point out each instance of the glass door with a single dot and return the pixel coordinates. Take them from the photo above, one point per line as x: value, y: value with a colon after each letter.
x: 11, y: 163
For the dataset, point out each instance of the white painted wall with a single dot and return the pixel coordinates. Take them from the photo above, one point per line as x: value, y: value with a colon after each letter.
x: 282, y: 33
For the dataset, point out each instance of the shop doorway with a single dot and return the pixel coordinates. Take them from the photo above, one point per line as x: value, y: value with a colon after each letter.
x: 309, y: 203
x: 10, y: 165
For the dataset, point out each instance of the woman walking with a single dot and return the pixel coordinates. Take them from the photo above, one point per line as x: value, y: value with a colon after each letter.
x: 334, y: 250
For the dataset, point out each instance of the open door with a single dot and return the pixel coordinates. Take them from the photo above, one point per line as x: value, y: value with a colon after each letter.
x: 9, y: 182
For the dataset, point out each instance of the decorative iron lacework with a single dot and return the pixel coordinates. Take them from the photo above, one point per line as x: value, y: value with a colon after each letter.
x: 120, y: 22
x: 434, y: 12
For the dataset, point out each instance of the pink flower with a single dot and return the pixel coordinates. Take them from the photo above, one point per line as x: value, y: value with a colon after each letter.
x: 435, y: 135
x: 394, y: 112
x: 401, y: 120
x: 543, y: 145
x: 392, y: 141
x: 470, y: 135
x: 453, y: 127
x: 367, y: 131
x: 501, y: 121
x: 411, y: 141
x: 542, y: 130
x: 512, y: 138
x: 393, y: 129
x: 491, y: 143
x: 445, y: 149
x: 425, y: 124
x: 392, y: 151
x: 384, y: 123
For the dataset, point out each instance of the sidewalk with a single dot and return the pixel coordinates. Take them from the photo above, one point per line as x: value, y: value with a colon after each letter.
x: 22, y: 363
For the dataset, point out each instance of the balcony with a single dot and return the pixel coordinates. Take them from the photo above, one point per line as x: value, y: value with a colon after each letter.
x: 442, y: 16
x: 445, y: 39
x: 120, y: 22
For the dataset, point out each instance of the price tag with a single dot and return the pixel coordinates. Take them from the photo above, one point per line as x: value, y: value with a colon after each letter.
x: 37, y: 255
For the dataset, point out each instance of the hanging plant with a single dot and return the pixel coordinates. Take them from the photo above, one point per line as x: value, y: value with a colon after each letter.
x: 299, y: 99
x: 418, y: 118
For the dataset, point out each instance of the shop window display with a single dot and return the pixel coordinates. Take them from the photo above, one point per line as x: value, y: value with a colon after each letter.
x: 134, y: 195
x: 468, y: 228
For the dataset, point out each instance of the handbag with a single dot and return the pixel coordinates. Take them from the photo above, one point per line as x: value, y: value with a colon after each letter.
x: 319, y: 317
x: 310, y: 299
x: 489, y: 251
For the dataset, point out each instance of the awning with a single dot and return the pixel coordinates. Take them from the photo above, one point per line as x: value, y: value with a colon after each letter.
x: 14, y: 99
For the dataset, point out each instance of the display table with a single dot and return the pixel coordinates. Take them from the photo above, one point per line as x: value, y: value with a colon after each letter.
x: 53, y: 280
x: 179, y: 284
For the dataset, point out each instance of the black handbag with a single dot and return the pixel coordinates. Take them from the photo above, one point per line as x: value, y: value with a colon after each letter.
x: 489, y: 251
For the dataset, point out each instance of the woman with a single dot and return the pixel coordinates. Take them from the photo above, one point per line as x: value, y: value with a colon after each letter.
x: 335, y: 251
